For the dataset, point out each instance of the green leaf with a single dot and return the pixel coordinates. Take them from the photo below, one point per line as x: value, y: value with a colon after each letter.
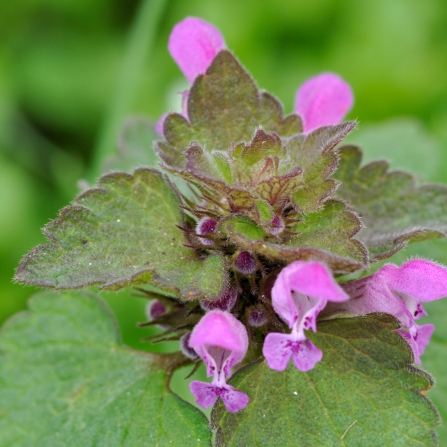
x: 404, y: 142
x: 393, y: 208
x: 433, y: 359
x: 225, y: 107
x: 315, y: 154
x: 123, y: 233
x: 66, y: 380
x: 333, y: 229
x: 326, y: 235
x: 363, y: 393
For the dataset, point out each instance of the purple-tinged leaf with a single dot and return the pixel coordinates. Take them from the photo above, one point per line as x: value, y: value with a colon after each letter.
x: 123, y: 233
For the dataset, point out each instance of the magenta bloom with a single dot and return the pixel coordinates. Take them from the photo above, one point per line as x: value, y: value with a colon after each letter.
x: 323, y: 100
x: 194, y: 44
x: 300, y: 292
x: 399, y: 291
x: 221, y: 340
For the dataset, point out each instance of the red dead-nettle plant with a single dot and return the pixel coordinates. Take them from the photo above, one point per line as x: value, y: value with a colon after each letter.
x: 246, y: 268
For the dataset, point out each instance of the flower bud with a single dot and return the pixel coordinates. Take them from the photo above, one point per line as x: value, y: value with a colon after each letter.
x: 226, y: 302
x: 187, y: 351
x: 256, y: 318
x: 277, y: 226
x: 245, y: 263
x: 155, y: 309
x: 206, y: 225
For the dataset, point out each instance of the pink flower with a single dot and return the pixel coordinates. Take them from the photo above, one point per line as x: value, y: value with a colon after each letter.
x: 323, y: 100
x: 399, y: 291
x: 300, y: 292
x: 193, y: 45
x: 221, y: 340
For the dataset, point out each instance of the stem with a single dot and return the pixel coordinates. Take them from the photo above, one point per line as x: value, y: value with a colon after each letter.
x: 139, y: 46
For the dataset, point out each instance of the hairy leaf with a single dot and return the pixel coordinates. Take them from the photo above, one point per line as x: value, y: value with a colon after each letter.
x: 225, y: 107
x: 123, y: 233
x: 363, y: 393
x: 393, y: 208
x: 326, y: 236
x: 315, y: 154
x: 67, y: 380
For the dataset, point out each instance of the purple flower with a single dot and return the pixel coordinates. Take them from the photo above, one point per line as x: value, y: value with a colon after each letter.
x: 221, y: 340
x: 194, y: 44
x: 418, y: 337
x: 399, y: 291
x: 323, y: 100
x: 300, y: 292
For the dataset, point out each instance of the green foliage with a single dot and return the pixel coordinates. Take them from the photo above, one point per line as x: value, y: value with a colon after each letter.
x: 224, y: 107
x: 120, y: 234
x: 325, y: 235
x: 393, y: 209
x: 66, y: 379
x: 271, y: 189
x: 342, y: 400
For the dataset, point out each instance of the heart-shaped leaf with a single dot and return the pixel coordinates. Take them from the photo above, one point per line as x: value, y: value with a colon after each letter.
x: 123, y: 233
x: 67, y: 380
x: 394, y: 210
x: 363, y: 393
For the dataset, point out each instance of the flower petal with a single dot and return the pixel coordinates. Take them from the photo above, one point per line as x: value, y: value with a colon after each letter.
x: 396, y: 290
x: 422, y: 335
x: 372, y: 294
x: 219, y: 329
x: 323, y: 100
x: 305, y: 355
x: 424, y: 280
x: 205, y: 393
x: 159, y: 125
x: 277, y: 350
x: 409, y: 339
x: 233, y: 399
x: 194, y: 44
x: 418, y: 338
x: 308, y: 278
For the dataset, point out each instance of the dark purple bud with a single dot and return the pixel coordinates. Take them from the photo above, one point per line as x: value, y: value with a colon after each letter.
x: 256, y: 318
x: 277, y: 226
x: 185, y: 348
x: 226, y: 302
x: 245, y: 263
x: 155, y: 309
x: 206, y: 225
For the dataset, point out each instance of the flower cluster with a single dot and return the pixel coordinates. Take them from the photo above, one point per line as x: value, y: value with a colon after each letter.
x: 302, y: 290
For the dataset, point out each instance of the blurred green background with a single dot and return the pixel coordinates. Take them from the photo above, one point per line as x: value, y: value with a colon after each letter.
x: 64, y: 63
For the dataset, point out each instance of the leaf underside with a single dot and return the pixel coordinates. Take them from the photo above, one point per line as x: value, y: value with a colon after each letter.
x: 365, y: 382
x: 123, y: 233
x: 393, y: 208
x: 66, y: 380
